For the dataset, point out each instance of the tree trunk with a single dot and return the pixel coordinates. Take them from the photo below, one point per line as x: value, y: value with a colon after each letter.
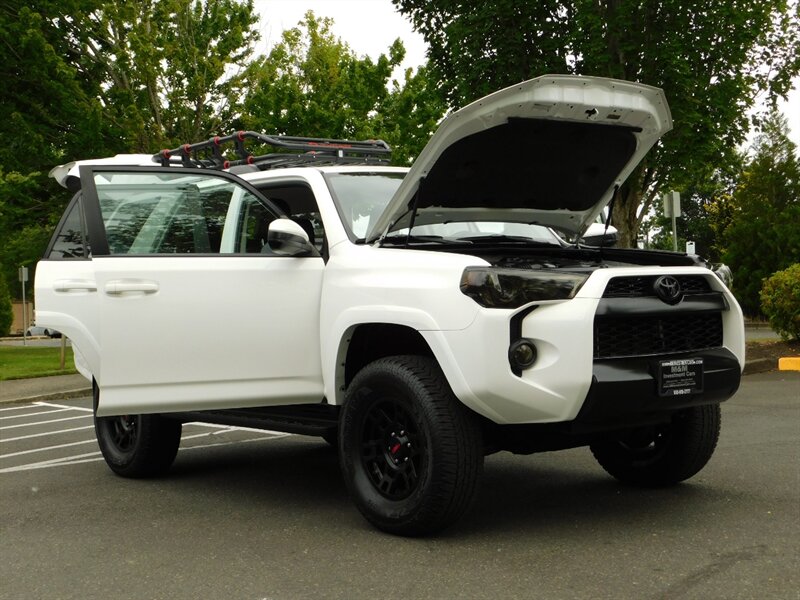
x: 625, y: 214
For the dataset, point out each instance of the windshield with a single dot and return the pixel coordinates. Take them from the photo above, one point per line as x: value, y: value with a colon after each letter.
x: 362, y: 197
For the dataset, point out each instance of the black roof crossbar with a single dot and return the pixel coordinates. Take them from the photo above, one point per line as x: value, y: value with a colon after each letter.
x: 208, y: 153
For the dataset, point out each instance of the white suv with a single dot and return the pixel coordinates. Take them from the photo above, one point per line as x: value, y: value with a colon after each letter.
x: 417, y: 319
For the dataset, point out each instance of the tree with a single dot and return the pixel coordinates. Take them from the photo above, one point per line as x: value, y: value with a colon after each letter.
x: 700, y: 202
x: 92, y: 78
x: 313, y: 84
x: 172, y: 69
x: 758, y: 223
x: 6, y: 310
x: 712, y: 60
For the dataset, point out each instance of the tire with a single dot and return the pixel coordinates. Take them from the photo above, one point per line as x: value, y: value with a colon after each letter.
x: 662, y: 455
x: 137, y: 446
x: 411, y: 454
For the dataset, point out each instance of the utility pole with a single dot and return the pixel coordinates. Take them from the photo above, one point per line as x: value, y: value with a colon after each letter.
x: 672, y: 208
x: 23, y: 277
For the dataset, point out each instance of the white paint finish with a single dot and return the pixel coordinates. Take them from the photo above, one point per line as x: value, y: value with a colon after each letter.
x: 215, y: 335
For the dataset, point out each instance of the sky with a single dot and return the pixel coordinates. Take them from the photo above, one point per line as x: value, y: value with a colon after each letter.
x: 370, y: 26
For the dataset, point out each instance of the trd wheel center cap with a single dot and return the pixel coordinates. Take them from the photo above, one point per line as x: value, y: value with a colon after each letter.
x: 397, y: 448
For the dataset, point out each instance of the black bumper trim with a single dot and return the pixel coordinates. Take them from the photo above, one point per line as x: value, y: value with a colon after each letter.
x: 624, y: 391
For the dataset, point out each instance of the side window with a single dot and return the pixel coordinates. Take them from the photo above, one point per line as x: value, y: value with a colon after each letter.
x: 254, y: 220
x: 175, y: 213
x: 69, y: 240
x: 297, y: 201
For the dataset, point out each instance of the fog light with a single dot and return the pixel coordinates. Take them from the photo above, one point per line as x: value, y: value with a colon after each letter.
x: 522, y: 354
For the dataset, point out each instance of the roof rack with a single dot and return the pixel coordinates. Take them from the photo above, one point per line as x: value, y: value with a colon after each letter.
x: 303, y: 150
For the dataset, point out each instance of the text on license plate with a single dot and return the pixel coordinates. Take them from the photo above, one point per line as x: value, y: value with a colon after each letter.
x: 680, y: 377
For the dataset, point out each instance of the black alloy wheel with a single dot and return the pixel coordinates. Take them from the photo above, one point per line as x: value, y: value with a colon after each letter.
x: 393, y: 453
x: 137, y: 445
x: 663, y: 454
x: 411, y: 454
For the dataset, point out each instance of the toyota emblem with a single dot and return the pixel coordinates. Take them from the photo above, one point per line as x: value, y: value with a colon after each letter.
x: 668, y: 289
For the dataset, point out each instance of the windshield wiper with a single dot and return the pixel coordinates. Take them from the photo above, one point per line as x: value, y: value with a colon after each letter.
x: 422, y: 239
x: 506, y: 239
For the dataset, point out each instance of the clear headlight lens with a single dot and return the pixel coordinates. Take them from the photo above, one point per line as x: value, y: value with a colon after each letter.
x: 511, y: 288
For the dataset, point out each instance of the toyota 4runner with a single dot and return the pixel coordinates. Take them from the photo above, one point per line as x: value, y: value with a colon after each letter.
x: 417, y: 319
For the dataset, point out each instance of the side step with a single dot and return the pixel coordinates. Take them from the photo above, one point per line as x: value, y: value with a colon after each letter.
x: 304, y: 419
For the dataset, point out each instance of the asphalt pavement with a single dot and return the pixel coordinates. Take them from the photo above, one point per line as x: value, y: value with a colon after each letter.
x: 254, y: 515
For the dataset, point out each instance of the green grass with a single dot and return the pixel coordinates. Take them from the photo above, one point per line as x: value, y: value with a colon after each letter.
x: 20, y: 362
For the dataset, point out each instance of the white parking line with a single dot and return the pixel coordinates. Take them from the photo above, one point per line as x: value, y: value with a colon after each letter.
x: 55, y: 462
x: 43, y: 412
x: 45, y: 422
x: 96, y: 456
x: 15, y: 407
x: 80, y: 408
x: 46, y: 448
x: 35, y: 435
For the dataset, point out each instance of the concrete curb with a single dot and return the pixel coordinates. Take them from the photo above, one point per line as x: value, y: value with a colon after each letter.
x: 789, y: 363
x: 64, y: 395
x: 758, y: 365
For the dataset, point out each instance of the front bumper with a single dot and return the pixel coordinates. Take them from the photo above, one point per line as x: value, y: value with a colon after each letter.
x: 572, y: 380
x: 624, y: 391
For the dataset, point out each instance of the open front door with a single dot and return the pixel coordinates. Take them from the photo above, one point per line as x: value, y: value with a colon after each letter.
x: 193, y: 310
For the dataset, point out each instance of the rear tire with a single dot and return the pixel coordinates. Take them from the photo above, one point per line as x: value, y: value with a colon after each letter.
x: 665, y: 454
x: 137, y: 446
x: 411, y: 453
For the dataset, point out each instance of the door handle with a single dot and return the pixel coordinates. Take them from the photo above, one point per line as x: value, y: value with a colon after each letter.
x: 75, y: 285
x: 122, y: 286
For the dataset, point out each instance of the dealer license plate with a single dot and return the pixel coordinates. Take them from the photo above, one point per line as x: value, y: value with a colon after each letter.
x: 680, y: 377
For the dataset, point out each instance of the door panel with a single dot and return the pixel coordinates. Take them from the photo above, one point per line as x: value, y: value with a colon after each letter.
x: 193, y: 313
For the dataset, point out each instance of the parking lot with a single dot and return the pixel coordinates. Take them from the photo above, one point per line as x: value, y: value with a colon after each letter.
x: 253, y: 514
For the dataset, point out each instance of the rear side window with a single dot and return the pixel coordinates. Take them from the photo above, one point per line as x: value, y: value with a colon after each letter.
x: 69, y: 240
x: 178, y: 213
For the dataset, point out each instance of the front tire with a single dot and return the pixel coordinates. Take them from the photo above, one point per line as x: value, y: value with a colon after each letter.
x: 662, y: 455
x: 411, y: 453
x: 137, y: 446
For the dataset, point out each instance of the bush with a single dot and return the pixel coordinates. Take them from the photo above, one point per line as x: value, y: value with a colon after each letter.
x: 780, y: 302
x: 6, y: 311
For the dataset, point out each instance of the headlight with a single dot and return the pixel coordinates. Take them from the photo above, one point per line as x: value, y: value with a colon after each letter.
x: 511, y: 288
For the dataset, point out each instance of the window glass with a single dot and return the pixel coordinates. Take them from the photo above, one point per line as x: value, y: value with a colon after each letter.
x: 69, y: 240
x: 362, y: 197
x: 297, y: 202
x: 177, y: 213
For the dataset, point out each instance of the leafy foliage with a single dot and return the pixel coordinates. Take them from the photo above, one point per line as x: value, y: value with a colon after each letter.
x: 313, y: 84
x: 780, y: 301
x: 91, y: 78
x: 758, y: 223
x: 699, y: 205
x: 712, y: 59
x: 167, y: 67
x: 6, y: 310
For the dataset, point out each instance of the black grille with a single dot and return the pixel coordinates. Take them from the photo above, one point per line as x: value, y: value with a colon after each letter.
x: 640, y: 287
x: 647, y: 335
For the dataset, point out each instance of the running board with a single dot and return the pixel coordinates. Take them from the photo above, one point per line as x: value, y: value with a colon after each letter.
x: 304, y: 419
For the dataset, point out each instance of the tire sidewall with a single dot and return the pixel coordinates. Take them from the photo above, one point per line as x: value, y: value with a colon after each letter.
x: 372, y: 389
x: 111, y: 452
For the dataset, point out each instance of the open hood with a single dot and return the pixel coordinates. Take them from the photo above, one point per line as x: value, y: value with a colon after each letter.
x: 548, y: 151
